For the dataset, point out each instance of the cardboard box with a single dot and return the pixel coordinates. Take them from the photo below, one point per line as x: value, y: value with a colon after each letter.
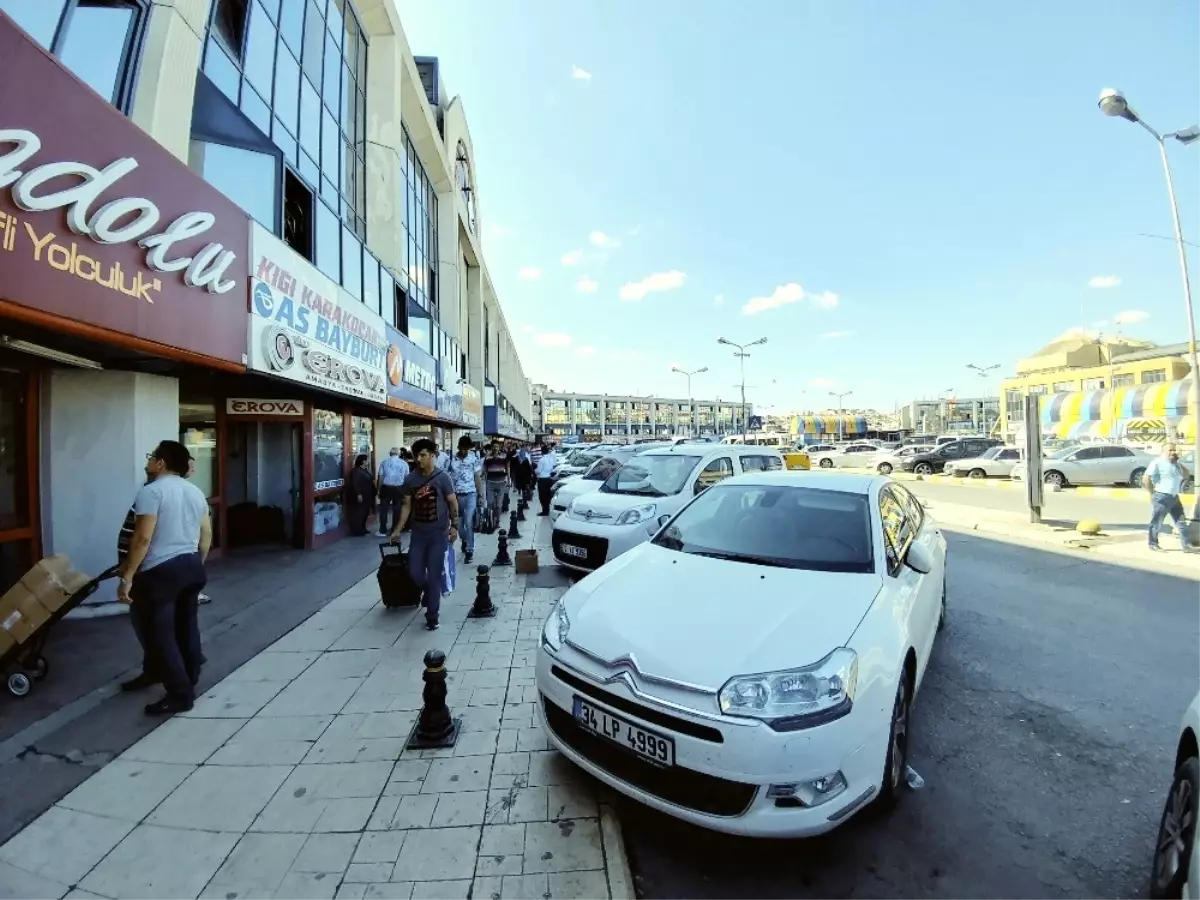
x: 22, y: 614
x: 7, y: 642
x: 53, y: 581
x: 526, y: 562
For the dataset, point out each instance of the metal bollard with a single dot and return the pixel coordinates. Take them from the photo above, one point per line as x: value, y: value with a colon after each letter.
x: 512, y: 526
x: 483, y: 608
x: 521, y: 507
x: 502, y: 557
x: 435, y: 726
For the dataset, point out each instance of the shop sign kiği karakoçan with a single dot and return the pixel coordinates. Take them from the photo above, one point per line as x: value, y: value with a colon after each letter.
x: 305, y: 328
x: 101, y: 225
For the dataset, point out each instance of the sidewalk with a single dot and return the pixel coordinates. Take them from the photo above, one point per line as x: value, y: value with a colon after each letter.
x: 290, y: 777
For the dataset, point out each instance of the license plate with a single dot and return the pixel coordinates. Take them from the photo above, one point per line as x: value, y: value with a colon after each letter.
x: 572, y: 550
x: 651, y: 747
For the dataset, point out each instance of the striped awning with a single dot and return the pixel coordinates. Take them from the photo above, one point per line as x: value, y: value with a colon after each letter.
x: 1164, y: 399
x: 1077, y: 431
x: 829, y: 425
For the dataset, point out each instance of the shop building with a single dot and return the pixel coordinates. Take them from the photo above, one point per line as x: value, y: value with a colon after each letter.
x: 309, y: 124
x: 595, y: 417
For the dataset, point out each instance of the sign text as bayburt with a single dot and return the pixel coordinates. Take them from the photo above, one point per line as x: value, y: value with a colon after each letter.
x: 317, y: 318
x: 117, y: 221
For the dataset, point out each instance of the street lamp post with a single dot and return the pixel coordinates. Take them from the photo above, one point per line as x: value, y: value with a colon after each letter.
x: 840, y: 397
x: 985, y: 372
x: 691, y: 406
x: 1113, y: 103
x: 741, y: 354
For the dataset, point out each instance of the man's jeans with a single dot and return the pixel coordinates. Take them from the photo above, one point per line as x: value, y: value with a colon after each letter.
x: 426, y: 560
x: 466, y: 520
x: 495, y: 496
x: 168, y: 598
x: 390, y: 498
x: 1161, y: 506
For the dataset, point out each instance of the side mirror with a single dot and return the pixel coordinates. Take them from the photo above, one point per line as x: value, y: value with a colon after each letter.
x: 919, y: 559
x: 663, y: 520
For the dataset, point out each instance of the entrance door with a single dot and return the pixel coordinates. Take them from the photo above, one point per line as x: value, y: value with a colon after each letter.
x: 263, y: 484
x: 18, y: 480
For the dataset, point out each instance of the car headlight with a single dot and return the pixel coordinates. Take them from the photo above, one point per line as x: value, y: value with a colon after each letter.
x: 557, y: 626
x: 795, y: 698
x: 637, y: 515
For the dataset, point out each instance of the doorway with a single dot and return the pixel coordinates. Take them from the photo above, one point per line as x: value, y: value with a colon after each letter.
x: 263, y: 481
x: 18, y: 476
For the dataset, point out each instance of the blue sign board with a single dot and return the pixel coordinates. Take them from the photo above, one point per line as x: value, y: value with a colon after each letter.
x: 411, y: 376
x: 756, y: 423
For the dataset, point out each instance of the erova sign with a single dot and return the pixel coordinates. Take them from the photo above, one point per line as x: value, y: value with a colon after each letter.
x: 305, y: 328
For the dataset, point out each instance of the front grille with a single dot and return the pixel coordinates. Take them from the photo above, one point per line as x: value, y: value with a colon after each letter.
x: 596, y: 547
x: 645, y: 713
x: 678, y: 785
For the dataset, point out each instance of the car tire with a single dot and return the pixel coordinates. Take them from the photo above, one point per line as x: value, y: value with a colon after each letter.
x: 1176, y: 832
x: 1136, y: 476
x: 895, y: 766
x: 977, y: 473
x: 923, y: 468
x: 885, y: 468
x: 826, y: 463
x: 1055, y: 478
x: 1189, y: 485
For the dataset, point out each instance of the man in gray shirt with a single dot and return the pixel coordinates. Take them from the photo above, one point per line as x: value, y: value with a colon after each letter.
x: 390, y: 482
x: 163, y: 572
x: 430, y: 501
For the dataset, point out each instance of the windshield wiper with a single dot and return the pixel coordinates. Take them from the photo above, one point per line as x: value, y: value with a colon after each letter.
x: 642, y: 492
x: 739, y: 557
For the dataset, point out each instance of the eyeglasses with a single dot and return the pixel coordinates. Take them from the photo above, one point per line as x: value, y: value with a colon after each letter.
x: 150, y: 456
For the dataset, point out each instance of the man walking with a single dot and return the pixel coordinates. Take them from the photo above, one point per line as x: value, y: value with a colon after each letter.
x: 465, y: 473
x: 390, y: 482
x: 546, y: 464
x: 430, y: 501
x: 163, y: 572
x: 1164, y: 480
x: 495, y: 472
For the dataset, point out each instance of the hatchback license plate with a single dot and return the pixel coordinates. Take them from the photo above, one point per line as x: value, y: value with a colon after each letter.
x: 572, y: 550
x: 651, y: 747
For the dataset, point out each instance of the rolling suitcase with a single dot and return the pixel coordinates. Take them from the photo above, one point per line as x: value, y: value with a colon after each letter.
x: 396, y: 587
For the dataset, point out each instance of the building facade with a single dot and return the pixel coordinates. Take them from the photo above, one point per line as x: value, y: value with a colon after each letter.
x: 269, y: 247
x: 596, y: 417
x: 951, y: 415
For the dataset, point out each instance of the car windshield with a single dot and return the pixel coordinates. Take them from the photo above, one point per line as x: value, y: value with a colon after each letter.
x: 653, y: 475
x: 604, y: 467
x: 990, y: 453
x: 1062, y: 452
x: 775, y: 525
x: 583, y: 460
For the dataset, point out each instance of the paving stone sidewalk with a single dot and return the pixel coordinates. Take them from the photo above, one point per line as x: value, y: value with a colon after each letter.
x: 290, y: 777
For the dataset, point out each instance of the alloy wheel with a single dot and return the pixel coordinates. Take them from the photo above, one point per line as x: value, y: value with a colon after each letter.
x: 1175, y: 834
x: 923, y: 469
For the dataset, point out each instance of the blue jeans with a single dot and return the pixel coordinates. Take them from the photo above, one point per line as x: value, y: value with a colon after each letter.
x: 426, y: 559
x: 466, y: 520
x: 1161, y: 506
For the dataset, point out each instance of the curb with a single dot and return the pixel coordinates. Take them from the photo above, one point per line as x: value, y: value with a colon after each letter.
x: 616, y: 862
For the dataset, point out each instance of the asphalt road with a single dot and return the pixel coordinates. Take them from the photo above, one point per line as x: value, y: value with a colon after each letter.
x: 1045, y: 731
x: 1066, y: 504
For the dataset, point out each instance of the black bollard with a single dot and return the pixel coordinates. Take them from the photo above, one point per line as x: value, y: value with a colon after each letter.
x: 521, y: 507
x: 502, y: 557
x: 483, y: 608
x: 513, y: 532
x: 435, y: 726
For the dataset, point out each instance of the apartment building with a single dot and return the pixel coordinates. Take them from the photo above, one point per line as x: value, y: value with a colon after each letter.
x: 596, y: 417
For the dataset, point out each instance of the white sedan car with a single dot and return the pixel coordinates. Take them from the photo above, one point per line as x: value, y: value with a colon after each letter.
x: 887, y: 460
x: 1176, y: 871
x: 845, y: 456
x: 752, y: 668
x: 997, y: 462
x: 1090, y: 464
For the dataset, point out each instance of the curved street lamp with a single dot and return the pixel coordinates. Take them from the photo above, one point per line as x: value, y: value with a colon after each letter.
x: 742, y: 354
x: 691, y: 406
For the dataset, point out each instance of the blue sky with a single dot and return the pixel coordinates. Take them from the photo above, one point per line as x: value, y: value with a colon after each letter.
x: 935, y: 177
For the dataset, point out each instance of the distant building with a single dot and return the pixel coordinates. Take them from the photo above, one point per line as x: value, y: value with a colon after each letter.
x: 612, y: 417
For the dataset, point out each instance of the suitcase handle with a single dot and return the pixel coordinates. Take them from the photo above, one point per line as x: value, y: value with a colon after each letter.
x: 383, y: 548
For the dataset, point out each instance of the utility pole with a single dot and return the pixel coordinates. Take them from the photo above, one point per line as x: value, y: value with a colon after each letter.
x: 984, y: 372
x: 741, y: 354
x: 840, y: 397
x: 692, y: 430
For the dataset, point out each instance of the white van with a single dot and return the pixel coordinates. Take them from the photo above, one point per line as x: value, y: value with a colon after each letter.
x: 602, y: 524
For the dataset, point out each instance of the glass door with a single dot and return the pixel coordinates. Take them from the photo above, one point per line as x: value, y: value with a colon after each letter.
x: 18, y: 477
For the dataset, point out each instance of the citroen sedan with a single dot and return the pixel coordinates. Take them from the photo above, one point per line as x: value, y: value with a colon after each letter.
x: 751, y: 669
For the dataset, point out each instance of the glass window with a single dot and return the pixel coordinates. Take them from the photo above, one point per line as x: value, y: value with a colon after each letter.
x: 714, y: 473
x: 309, y: 170
x: 362, y: 434
x: 248, y: 178
x: 256, y: 109
x: 1122, y: 380
x: 1154, y: 376
x: 259, y: 63
x: 330, y: 193
x: 1064, y: 386
x: 332, y: 91
x: 284, y: 142
x: 229, y: 24
x: 287, y: 91
x: 370, y: 278
x: 329, y: 243
x: 387, y: 296
x: 96, y: 46
x: 787, y: 527
x: 352, y: 263
x: 419, y: 330
x: 331, y: 145
x: 291, y: 25
x: 328, y: 443
x: 38, y: 17
x: 314, y: 43
x: 1115, y: 452
x: 198, y: 432
x: 310, y: 120
x: 1088, y: 453
x: 14, y: 462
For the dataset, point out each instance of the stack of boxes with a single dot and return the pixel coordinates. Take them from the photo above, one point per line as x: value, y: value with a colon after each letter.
x: 43, y: 591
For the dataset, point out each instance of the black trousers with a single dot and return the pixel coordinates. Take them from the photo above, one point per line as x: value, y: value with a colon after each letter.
x: 544, y: 485
x: 166, y: 602
x: 390, y: 498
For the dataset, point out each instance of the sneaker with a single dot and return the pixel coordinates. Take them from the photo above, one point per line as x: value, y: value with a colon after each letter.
x: 468, y: 557
x: 432, y: 626
x: 1155, y: 547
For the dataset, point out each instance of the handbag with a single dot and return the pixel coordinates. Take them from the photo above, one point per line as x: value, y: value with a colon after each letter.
x: 449, y: 571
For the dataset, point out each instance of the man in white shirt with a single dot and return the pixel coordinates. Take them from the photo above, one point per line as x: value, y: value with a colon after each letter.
x: 546, y: 464
x: 390, y: 483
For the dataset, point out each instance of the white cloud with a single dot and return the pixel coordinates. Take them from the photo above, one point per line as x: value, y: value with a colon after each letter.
x: 1131, y: 317
x: 822, y: 383
x: 529, y: 273
x: 1104, y: 281
x: 600, y: 239
x: 651, y: 284
x: 580, y: 74
x: 786, y: 294
x: 572, y: 258
x: 585, y: 350
x: 587, y: 285
x: 719, y: 300
x: 555, y: 339
x: 835, y: 335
